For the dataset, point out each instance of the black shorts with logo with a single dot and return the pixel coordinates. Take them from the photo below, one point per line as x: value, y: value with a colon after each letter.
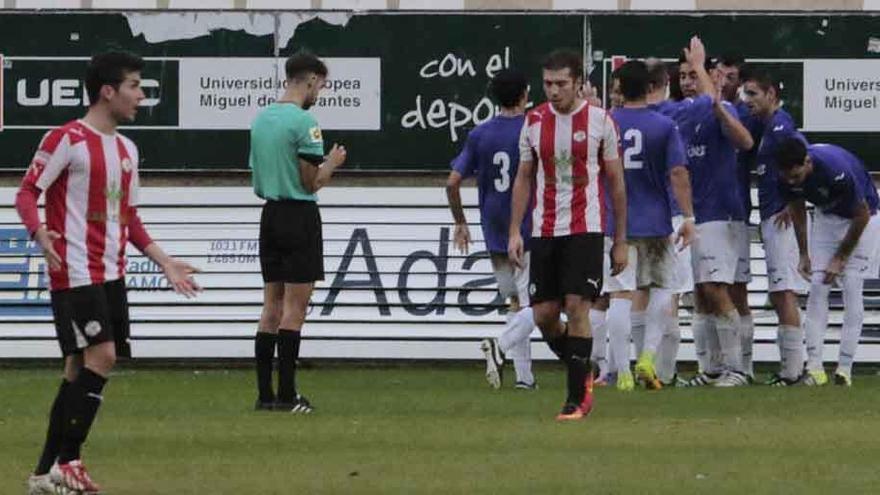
x: 92, y: 314
x: 291, y: 243
x: 566, y: 265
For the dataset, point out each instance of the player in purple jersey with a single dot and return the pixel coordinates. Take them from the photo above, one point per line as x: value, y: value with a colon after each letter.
x: 491, y: 154
x: 731, y: 70
x: 654, y: 158
x: 843, y: 246
x: 712, y: 133
x: 777, y: 233
x: 659, y: 79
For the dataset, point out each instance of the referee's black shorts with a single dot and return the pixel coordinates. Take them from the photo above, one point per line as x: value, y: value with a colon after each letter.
x: 291, y: 244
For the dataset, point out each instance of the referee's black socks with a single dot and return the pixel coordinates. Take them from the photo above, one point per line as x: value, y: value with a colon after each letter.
x: 81, y: 403
x: 288, y: 353
x: 578, y: 364
x: 264, y: 352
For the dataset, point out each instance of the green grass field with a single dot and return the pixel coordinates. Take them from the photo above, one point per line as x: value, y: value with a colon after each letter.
x: 440, y: 430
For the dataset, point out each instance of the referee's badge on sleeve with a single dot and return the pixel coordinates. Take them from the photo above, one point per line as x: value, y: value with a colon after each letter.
x: 315, y: 133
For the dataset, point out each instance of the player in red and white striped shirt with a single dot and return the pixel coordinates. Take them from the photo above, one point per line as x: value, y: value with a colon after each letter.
x: 89, y: 174
x: 569, y: 150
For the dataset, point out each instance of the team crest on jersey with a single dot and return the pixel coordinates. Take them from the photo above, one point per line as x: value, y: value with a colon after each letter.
x: 93, y: 328
x: 126, y: 165
x: 580, y: 136
x: 315, y: 134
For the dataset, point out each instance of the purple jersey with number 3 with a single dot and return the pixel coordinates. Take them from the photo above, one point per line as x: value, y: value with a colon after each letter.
x: 651, y: 146
x: 491, y: 154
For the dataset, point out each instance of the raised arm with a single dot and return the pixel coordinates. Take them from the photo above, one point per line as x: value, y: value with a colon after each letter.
x: 733, y: 129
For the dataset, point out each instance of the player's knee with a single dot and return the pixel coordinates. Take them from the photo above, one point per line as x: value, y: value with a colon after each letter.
x: 548, y: 324
x: 292, y: 318
x: 270, y: 318
x: 575, y: 308
x: 101, y: 358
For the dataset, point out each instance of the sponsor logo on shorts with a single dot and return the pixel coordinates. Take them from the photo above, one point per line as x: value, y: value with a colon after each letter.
x: 593, y: 282
x: 93, y: 328
x: 713, y: 271
x: 532, y: 289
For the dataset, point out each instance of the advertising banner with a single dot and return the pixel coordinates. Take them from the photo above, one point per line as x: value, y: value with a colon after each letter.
x: 842, y: 95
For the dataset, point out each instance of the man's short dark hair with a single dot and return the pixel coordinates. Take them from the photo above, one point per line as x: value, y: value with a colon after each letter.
x: 764, y: 81
x: 564, y: 59
x: 633, y: 76
x: 301, y: 64
x: 110, y: 68
x: 508, y: 86
x: 658, y: 73
x: 791, y: 153
x: 731, y: 60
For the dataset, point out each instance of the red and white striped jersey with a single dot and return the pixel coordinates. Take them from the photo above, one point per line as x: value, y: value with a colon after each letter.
x: 91, y: 185
x: 570, y: 151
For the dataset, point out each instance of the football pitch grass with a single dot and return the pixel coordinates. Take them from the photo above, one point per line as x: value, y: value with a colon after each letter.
x: 439, y: 429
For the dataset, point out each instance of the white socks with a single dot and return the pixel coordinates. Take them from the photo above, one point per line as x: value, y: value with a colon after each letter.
x: 853, y: 315
x: 619, y: 324
x: 657, y: 317
x: 746, y: 339
x: 727, y: 327
x: 638, y: 331
x: 700, y: 328
x: 816, y: 322
x: 791, y: 351
x: 515, y: 344
x: 600, y: 343
x: 667, y: 352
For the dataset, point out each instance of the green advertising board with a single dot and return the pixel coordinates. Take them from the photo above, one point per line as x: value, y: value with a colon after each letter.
x: 404, y: 88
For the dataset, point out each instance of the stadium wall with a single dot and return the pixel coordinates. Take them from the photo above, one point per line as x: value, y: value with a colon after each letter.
x: 395, y: 288
x: 405, y: 87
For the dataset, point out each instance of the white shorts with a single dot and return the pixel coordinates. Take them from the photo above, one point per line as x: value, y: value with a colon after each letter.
x: 716, y: 251
x: 743, y: 273
x: 782, y: 255
x: 512, y: 281
x: 651, y: 263
x: 684, y: 271
x: 829, y: 230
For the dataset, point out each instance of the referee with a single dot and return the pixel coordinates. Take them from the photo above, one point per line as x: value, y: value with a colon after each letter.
x: 288, y: 164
